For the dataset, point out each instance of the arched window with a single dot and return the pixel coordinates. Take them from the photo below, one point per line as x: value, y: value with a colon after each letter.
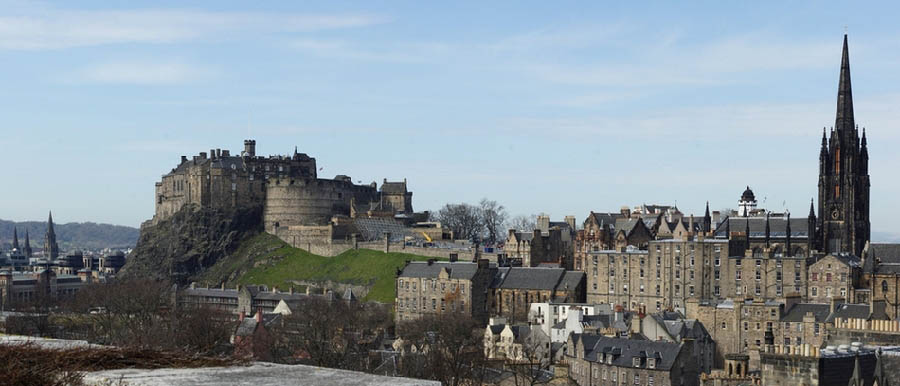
x: 757, y: 252
x: 884, y: 287
x: 798, y: 252
x: 779, y: 252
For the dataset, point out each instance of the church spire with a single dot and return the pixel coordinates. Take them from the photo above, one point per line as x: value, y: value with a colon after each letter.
x: 707, y: 220
x: 26, y: 249
x: 844, y: 117
x: 787, y: 231
x: 15, y: 238
x: 51, y: 248
x: 812, y: 211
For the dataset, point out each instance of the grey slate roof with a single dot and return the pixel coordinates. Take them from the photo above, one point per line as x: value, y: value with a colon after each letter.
x: 626, y: 225
x: 796, y: 313
x: 458, y: 270
x: 855, y: 311
x: 393, y: 187
x: 606, y: 219
x: 887, y: 254
x: 624, y: 350
x: 572, y: 279
x: 532, y: 278
x: 777, y: 227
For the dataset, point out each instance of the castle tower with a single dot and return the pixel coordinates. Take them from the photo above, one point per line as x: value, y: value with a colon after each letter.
x: 250, y: 148
x: 51, y: 248
x: 843, y: 221
x: 26, y: 250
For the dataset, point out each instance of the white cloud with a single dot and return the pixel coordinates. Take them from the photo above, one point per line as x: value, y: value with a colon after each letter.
x: 143, y: 73
x: 51, y: 28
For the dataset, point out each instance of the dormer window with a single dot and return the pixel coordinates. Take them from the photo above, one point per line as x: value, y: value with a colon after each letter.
x: 636, y: 361
x: 651, y: 363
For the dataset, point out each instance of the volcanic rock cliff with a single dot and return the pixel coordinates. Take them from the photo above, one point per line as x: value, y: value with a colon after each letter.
x: 184, y: 245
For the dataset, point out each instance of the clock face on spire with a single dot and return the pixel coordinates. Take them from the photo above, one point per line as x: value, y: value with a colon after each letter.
x: 835, y: 213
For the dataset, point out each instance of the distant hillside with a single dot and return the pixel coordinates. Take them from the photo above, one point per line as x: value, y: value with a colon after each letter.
x: 264, y: 259
x: 87, y: 235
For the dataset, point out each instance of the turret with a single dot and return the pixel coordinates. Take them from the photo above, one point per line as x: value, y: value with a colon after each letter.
x: 812, y: 235
x: 249, y: 148
x: 863, y: 155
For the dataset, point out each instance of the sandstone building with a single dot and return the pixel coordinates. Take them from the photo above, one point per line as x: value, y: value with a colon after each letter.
x: 431, y: 288
x: 599, y: 360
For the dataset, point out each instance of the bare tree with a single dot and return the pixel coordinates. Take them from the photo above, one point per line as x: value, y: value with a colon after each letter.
x: 450, y: 348
x: 332, y: 333
x: 463, y: 219
x: 493, y: 217
x: 523, y: 223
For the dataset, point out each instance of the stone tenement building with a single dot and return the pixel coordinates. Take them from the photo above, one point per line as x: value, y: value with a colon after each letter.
x: 671, y: 272
x: 481, y: 289
x: 288, y: 186
x: 432, y: 288
x: 599, y: 360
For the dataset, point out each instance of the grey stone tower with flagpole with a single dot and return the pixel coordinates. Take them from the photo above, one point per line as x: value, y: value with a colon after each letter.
x: 843, y: 221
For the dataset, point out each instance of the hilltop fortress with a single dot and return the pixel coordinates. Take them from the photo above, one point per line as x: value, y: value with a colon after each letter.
x: 298, y: 206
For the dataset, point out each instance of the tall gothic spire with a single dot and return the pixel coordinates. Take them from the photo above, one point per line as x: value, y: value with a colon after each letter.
x: 844, y: 117
x: 707, y: 220
x: 787, y: 231
x: 812, y: 211
x: 51, y: 248
x: 26, y: 249
x: 15, y: 238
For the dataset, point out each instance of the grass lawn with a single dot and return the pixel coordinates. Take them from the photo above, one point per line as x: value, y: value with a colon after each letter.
x: 360, y: 266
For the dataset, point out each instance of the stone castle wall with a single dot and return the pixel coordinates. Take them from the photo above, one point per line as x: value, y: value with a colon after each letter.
x: 292, y: 202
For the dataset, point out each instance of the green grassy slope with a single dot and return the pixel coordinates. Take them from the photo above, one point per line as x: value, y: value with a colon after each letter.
x: 264, y: 259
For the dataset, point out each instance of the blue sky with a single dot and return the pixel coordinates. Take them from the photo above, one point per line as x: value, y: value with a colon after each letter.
x: 547, y: 107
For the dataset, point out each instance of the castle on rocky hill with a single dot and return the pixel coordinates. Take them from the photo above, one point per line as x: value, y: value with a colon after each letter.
x: 288, y: 187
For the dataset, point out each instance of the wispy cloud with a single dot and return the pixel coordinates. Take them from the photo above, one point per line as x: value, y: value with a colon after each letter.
x: 715, y: 122
x: 344, y: 49
x: 52, y: 28
x: 143, y: 73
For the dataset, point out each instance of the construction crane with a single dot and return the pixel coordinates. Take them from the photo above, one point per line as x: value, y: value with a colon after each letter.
x: 428, y: 238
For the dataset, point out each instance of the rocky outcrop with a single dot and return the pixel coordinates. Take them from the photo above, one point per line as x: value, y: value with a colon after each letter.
x: 184, y: 245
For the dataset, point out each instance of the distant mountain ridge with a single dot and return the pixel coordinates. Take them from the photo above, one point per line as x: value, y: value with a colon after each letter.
x: 70, y: 236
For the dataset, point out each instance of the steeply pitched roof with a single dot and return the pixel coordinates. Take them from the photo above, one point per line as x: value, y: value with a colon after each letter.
x: 888, y: 256
x: 393, y: 187
x: 798, y: 311
x: 625, y: 350
x: 606, y: 219
x: 458, y: 270
x: 849, y: 311
x: 777, y: 227
x: 532, y: 278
